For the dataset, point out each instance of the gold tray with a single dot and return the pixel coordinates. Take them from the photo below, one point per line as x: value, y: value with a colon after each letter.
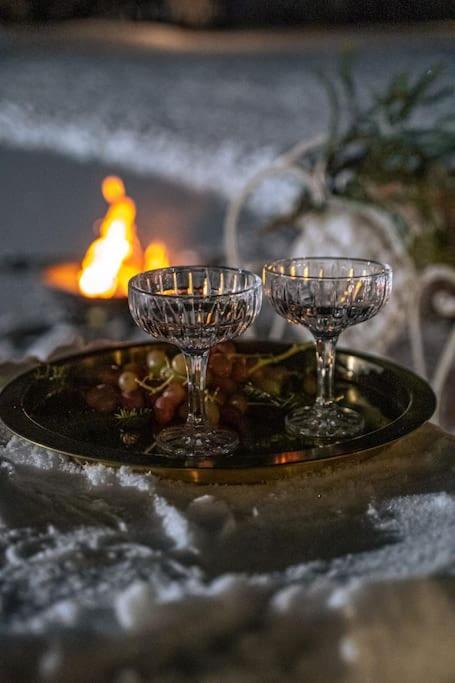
x: 393, y: 401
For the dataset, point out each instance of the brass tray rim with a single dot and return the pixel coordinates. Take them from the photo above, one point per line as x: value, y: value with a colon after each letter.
x: 420, y: 409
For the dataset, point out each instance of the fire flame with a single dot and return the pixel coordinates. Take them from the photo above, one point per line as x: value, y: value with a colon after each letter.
x: 116, y: 255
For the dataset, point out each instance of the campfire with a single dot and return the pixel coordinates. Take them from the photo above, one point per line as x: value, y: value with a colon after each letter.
x: 114, y: 257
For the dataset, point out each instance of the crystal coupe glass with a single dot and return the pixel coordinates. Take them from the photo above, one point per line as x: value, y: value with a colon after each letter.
x: 195, y: 307
x: 326, y: 295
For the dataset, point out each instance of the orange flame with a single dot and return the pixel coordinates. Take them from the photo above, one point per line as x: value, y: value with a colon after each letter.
x: 117, y: 255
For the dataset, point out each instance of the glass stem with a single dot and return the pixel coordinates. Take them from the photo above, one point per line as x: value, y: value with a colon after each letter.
x: 325, y: 363
x: 196, y: 370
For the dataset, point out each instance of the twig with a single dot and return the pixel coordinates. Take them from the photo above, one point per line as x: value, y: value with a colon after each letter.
x: 295, y: 348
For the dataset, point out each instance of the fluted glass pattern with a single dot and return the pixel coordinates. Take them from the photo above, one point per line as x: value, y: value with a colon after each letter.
x: 326, y: 295
x: 195, y: 307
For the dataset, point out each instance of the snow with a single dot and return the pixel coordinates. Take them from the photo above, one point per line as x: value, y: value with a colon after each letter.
x: 91, y: 553
x: 132, y: 606
x: 183, y: 126
x: 349, y: 650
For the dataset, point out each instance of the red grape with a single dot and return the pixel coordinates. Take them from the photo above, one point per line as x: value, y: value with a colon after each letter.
x: 227, y: 348
x: 108, y: 374
x: 150, y: 399
x: 220, y: 365
x: 239, y: 401
x: 240, y: 369
x: 134, y: 399
x: 226, y: 384
x: 231, y: 416
x: 163, y: 410
x: 175, y: 393
x: 183, y: 411
x: 103, y: 398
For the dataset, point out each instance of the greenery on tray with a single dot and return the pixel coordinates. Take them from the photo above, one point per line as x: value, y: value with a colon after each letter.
x: 392, y: 150
x: 259, y: 397
x: 55, y: 378
x: 51, y: 373
x: 129, y: 418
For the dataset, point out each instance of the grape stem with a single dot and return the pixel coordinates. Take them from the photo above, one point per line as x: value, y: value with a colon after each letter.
x: 295, y: 348
x: 155, y: 390
x: 150, y: 448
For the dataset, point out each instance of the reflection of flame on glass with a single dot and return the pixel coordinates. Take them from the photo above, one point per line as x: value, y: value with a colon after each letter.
x: 117, y: 255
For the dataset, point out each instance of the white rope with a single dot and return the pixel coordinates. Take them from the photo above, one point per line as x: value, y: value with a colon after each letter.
x: 438, y: 273
x: 441, y: 374
x: 285, y: 163
x: 231, y: 246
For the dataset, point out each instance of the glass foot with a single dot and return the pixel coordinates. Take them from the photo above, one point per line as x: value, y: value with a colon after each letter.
x: 196, y: 443
x: 324, y: 423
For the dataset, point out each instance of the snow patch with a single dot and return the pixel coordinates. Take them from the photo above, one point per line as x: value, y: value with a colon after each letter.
x: 133, y: 606
x: 349, y: 650
x: 175, y: 525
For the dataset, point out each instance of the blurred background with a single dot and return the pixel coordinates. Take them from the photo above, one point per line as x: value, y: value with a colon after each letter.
x: 187, y: 101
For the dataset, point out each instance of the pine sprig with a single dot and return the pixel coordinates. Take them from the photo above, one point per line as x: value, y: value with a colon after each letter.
x: 388, y: 142
x: 132, y: 417
x: 56, y: 377
x: 51, y: 373
x: 258, y: 396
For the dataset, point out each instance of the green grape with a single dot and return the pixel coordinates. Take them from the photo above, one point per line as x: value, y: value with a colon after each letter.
x: 212, y: 412
x: 156, y: 361
x: 128, y: 382
x: 277, y: 372
x: 179, y: 365
x: 269, y: 384
x: 219, y: 397
x: 310, y: 384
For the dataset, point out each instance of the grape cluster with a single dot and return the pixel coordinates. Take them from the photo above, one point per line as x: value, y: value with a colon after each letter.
x: 159, y: 384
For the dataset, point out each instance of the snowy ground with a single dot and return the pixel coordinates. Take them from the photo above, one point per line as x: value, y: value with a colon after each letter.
x: 112, y: 576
